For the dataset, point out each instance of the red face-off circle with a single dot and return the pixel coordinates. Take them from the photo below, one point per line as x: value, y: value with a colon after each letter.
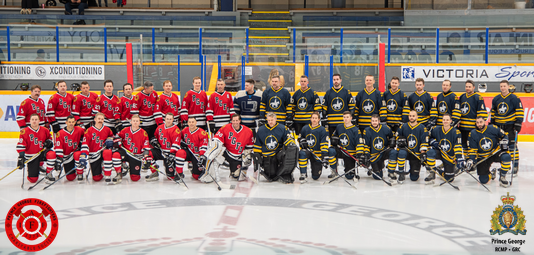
x: 31, y: 224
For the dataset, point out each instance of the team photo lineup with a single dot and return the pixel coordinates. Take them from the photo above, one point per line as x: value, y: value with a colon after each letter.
x: 388, y: 135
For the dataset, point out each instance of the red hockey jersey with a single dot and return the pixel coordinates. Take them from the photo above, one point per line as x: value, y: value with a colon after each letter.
x: 68, y: 142
x: 197, y: 141
x: 28, y: 107
x: 167, y: 103
x: 82, y: 107
x: 109, y: 107
x: 167, y: 136
x: 93, y: 141
x: 124, y: 110
x: 144, y: 105
x: 235, y: 141
x: 134, y: 141
x: 220, y: 108
x: 32, y: 141
x: 59, y: 108
x: 194, y: 105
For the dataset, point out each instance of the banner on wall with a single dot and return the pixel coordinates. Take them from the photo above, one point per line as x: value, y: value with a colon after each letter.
x: 463, y: 73
x: 9, y: 107
x: 52, y: 72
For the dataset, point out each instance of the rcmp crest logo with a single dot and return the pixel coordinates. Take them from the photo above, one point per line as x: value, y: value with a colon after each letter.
x: 508, y: 218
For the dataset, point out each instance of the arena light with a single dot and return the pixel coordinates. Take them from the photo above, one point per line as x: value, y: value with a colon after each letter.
x: 527, y: 87
x: 482, y: 87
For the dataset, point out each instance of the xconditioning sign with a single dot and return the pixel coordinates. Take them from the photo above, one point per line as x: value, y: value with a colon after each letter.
x: 52, y: 72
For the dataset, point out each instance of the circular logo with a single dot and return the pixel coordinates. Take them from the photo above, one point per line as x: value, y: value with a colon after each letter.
x: 486, y: 144
x: 311, y: 140
x: 502, y: 108
x: 465, y: 108
x: 445, y: 145
x: 442, y: 107
x: 368, y: 106
x: 275, y: 102
x: 344, y: 139
x: 35, y: 222
x: 40, y: 71
x: 391, y: 105
x: 378, y: 143
x: 271, y: 142
x: 302, y: 103
x: 337, y: 104
x: 412, y: 141
x: 419, y: 106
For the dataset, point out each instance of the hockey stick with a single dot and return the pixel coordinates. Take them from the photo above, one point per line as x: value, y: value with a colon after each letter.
x: 155, y: 166
x: 339, y: 176
x: 221, y: 185
x: 431, y: 169
x: 89, y: 170
x: 173, y: 166
x: 355, y: 168
x: 473, y: 167
x: 357, y: 162
x: 25, y: 162
x: 515, y: 150
x: 259, y: 167
x: 61, y: 177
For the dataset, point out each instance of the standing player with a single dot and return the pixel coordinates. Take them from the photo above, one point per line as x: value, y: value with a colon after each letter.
x: 59, y: 107
x: 124, y: 105
x: 168, y: 102
x: 247, y: 105
x: 375, y: 138
x: 191, y: 147
x: 32, y: 104
x: 369, y: 101
x: 396, y: 105
x: 448, y: 102
x: 446, y: 142
x: 313, y: 140
x: 108, y: 105
x: 336, y: 101
x: 166, y: 134
x: 143, y: 105
x: 278, y: 100
x: 67, y: 152
x: 33, y: 140
x: 136, y: 150
x: 471, y: 107
x: 507, y: 113
x: 488, y: 141
x: 422, y: 103
x: 305, y: 101
x: 83, y: 104
x: 220, y: 107
x: 348, y: 137
x: 412, y: 136
x: 194, y: 105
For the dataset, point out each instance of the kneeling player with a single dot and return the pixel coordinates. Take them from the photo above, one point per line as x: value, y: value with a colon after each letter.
x: 345, y: 140
x: 232, y: 143
x: 375, y: 138
x: 66, y: 152
x: 488, y: 143
x: 166, y: 134
x: 135, y: 149
x: 97, y: 144
x: 275, y: 151
x: 412, y: 141
x: 313, y: 145
x: 34, y: 141
x: 191, y: 148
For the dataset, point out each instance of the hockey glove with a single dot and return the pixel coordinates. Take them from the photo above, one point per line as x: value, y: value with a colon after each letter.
x: 504, y: 144
x: 289, y: 122
x: 184, y: 124
x: 325, y: 162
x: 334, y: 141
x: 59, y: 163
x: 83, y: 160
x: 201, y: 162
x: 401, y: 142
x: 517, y: 127
x: 212, y: 128
x: 109, y: 143
x: 184, y: 146
x: 354, y: 122
x: 392, y: 142
x: 434, y: 144
x: 261, y: 122
x: 48, y: 144
x: 21, y: 159
x: 117, y: 142
x: 119, y: 127
x: 469, y: 164
x: 461, y: 163
x: 304, y: 143
x: 154, y: 142
x: 147, y: 160
x: 55, y: 127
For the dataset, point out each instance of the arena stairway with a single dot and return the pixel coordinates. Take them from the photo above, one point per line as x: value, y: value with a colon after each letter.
x: 268, y: 36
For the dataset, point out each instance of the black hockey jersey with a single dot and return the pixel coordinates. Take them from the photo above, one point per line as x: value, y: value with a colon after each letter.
x: 450, y: 143
x: 350, y: 138
x: 448, y: 103
x: 270, y: 139
x: 316, y: 138
x: 424, y: 105
x: 484, y: 143
x: 506, y: 110
x: 304, y: 103
x: 397, y: 107
x: 376, y: 141
x: 278, y: 101
x: 335, y: 102
x: 367, y: 104
x: 416, y: 137
x: 471, y: 107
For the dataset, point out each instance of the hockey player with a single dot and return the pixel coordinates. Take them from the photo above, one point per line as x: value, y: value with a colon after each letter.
x: 96, y: 147
x: 143, y: 105
x: 59, y: 107
x: 233, y: 143
x: 490, y: 143
x: 423, y: 103
x: 369, y: 101
x: 397, y: 106
x: 348, y: 137
x: 32, y: 104
x: 194, y: 105
x: 448, y: 102
x: 507, y: 113
x: 168, y: 102
x: 135, y: 149
x: 336, y: 101
x: 376, y: 151
x: 108, y: 105
x: 412, y: 139
x: 166, y: 134
x: 247, y: 105
x: 471, y: 106
x: 33, y: 140
x: 305, y: 101
x: 124, y: 105
x: 67, y: 152
x: 191, y: 147
x: 446, y: 145
x: 82, y: 107
x: 220, y: 107
x: 313, y: 139
x: 278, y: 100
x: 275, y: 151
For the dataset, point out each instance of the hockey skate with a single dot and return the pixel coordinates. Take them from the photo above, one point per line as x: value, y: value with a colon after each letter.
x: 152, y: 177
x: 50, y: 178
x: 392, y: 177
x: 302, y: 178
x: 79, y: 177
x: 125, y: 168
x: 402, y: 177
x: 430, y: 177
x: 333, y: 174
x: 117, y: 179
x: 502, y: 180
x: 516, y: 169
x: 107, y: 179
x: 494, y: 173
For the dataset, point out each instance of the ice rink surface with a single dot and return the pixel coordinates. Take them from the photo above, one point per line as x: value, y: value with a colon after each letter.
x: 273, y: 218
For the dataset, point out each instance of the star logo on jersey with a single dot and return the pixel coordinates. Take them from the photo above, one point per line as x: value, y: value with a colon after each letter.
x: 368, y: 106
x: 486, y: 144
x: 391, y: 105
x: 337, y: 104
x: 275, y: 102
x: 412, y: 141
x: 408, y: 73
x: 503, y: 108
x: 310, y: 139
x: 271, y: 142
x: 344, y: 139
x: 302, y: 103
x: 378, y: 143
x: 442, y: 107
x: 445, y: 145
x: 464, y: 108
x: 419, y: 107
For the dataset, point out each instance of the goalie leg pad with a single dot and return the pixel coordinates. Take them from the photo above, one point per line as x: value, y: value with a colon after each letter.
x: 289, y: 162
